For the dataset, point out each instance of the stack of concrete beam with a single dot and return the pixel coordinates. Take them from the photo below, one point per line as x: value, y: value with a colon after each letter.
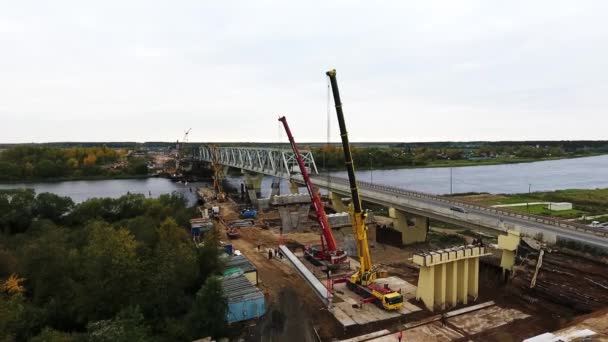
x: 338, y: 220
x: 290, y: 199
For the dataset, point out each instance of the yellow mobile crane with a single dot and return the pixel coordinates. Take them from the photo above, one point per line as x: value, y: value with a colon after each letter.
x: 362, y: 281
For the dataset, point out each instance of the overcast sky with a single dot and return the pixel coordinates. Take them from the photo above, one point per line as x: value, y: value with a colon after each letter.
x: 407, y: 70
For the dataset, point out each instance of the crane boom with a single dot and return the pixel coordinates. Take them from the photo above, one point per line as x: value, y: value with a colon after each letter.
x: 358, y: 222
x: 330, y: 241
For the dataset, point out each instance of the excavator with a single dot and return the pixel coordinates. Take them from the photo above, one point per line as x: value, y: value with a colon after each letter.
x: 363, y: 280
x: 329, y: 253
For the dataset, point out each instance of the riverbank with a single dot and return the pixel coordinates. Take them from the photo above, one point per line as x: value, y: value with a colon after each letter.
x: 464, y: 163
x: 585, y: 202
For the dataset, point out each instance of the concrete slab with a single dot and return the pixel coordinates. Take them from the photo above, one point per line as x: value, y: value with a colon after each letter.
x: 408, y: 290
x: 430, y: 332
x: 486, y: 319
x: 368, y: 312
x: 342, y: 317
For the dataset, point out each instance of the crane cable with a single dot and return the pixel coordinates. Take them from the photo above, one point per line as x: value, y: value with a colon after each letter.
x: 328, y: 118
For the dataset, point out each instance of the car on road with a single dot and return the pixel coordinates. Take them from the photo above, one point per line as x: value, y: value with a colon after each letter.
x: 458, y: 209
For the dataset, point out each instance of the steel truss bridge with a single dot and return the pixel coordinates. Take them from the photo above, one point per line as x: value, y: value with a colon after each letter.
x: 269, y: 161
x: 282, y: 163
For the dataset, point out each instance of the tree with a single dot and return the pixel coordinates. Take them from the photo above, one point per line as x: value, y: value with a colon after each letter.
x: 52, y: 335
x: 16, y: 215
x: 46, y: 169
x: 209, y: 255
x: 52, y: 207
x: 90, y: 159
x: 171, y: 272
x: 9, y: 171
x: 128, y: 326
x: 208, y: 314
x: 111, y: 272
x: 72, y: 163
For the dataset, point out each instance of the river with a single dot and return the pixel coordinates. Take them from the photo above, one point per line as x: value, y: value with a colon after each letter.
x: 578, y: 173
x: 82, y: 190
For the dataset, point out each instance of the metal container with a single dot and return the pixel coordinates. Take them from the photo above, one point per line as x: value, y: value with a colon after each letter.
x: 245, y: 301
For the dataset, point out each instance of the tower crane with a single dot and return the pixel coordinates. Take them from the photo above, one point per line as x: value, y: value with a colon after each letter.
x: 329, y: 251
x: 179, y: 148
x: 362, y: 281
x: 218, y: 173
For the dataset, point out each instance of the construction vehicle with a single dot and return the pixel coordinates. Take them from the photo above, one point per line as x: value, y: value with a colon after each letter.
x: 363, y: 281
x: 249, y: 213
x: 329, y: 251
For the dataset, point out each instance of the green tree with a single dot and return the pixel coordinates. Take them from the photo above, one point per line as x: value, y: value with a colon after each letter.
x: 51, y: 335
x: 52, y: 206
x: 9, y: 171
x: 17, y: 212
x: 128, y: 326
x: 209, y: 255
x: 111, y: 272
x: 171, y: 272
x: 208, y: 314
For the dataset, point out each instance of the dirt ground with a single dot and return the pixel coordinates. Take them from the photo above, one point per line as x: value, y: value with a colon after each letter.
x: 567, y: 286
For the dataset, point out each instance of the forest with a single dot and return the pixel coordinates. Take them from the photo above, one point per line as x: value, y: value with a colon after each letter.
x: 32, y: 162
x: 106, y: 269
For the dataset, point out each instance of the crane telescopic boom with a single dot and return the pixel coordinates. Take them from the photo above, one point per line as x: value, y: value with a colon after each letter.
x: 330, y: 241
x: 362, y: 281
x: 359, y: 227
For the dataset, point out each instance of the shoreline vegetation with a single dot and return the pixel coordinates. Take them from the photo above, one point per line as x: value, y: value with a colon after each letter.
x: 42, y: 163
x: 453, y: 154
x: 463, y: 163
x: 71, y: 162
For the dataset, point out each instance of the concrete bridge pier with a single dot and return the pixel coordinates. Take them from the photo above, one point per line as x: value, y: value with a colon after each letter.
x: 253, y: 182
x: 275, y: 187
x: 336, y: 202
x: 413, y: 228
x: 293, y: 187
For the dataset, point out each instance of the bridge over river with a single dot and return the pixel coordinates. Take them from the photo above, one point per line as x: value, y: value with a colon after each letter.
x: 410, y: 209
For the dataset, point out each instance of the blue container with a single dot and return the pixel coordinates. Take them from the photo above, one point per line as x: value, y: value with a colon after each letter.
x: 246, y: 309
x: 245, y: 301
x: 228, y: 249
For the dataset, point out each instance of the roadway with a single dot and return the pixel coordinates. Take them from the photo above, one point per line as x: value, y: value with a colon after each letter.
x: 473, y: 217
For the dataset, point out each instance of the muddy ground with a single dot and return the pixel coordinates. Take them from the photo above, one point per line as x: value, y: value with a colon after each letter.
x: 568, y: 286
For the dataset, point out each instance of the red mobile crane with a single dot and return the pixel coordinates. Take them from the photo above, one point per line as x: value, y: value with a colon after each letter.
x: 329, y: 251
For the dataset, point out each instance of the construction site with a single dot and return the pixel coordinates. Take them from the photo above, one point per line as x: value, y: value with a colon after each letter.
x: 306, y: 267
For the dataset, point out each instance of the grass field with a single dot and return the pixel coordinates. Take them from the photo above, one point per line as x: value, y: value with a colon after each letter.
x: 584, y: 202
